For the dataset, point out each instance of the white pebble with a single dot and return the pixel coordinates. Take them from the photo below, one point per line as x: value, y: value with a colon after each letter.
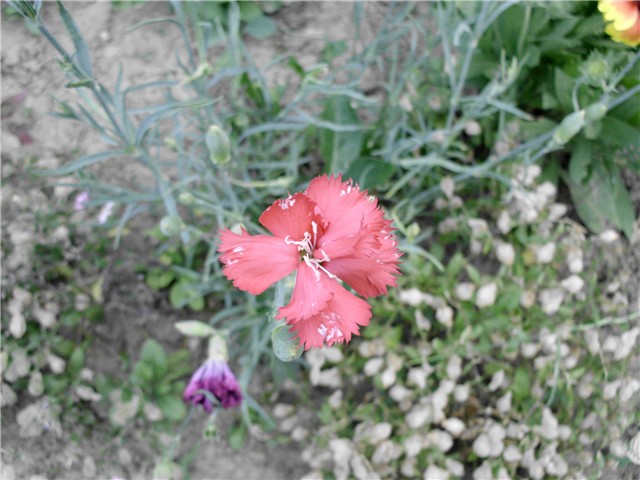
x: 454, y: 467
x: 545, y: 253
x: 505, y: 253
x: 448, y: 186
x: 454, y: 426
x: 496, y: 381
x: 461, y: 393
x: 454, y: 367
x: 609, y: 236
x: 504, y: 222
x: 551, y: 299
x: 465, y: 290
x: 504, y: 403
x: 435, y: 473
x: 373, y: 366
x: 512, y: 454
x: 444, y: 315
x: 572, y: 284
x: 486, y: 295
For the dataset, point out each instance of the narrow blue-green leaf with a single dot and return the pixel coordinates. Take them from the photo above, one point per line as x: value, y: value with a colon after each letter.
x: 271, y: 127
x: 409, y: 248
x: 506, y: 107
x: 151, y: 22
x: 155, y: 84
x: 341, y: 137
x: 89, y: 117
x: 166, y: 111
x: 82, y: 49
x: 80, y: 163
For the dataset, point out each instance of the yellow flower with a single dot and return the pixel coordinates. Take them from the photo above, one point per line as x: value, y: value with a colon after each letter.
x: 623, y: 20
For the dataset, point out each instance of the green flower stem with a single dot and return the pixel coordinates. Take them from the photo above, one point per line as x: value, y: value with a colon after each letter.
x: 606, y: 321
x: 624, y: 97
x: 168, y: 455
x: 99, y: 96
x: 618, y: 78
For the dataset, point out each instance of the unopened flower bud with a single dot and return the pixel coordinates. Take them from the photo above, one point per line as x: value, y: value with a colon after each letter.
x: 171, y: 225
x: 218, y: 144
x: 186, y: 198
x: 596, y: 69
x: 171, y: 143
x: 596, y: 111
x: 569, y: 127
x: 194, y: 328
x: 285, y: 346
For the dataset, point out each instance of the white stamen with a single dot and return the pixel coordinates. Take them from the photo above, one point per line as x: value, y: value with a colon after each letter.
x: 287, y: 203
x: 323, y: 331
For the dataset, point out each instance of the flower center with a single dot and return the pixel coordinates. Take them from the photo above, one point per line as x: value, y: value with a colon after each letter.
x: 306, y: 246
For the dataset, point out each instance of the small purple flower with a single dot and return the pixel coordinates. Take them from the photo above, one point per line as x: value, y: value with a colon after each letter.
x: 106, y: 212
x: 80, y: 201
x: 216, y: 377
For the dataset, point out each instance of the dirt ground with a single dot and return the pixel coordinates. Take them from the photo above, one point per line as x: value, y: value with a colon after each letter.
x: 132, y: 312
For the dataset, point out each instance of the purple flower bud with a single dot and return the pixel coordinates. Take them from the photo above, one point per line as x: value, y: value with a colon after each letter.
x: 216, y: 377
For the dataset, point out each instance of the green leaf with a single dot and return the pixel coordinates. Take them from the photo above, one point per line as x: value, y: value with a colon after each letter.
x: 521, y: 386
x: 339, y: 149
x: 619, y: 132
x: 197, y: 304
x: 153, y: 355
x: 76, y: 362
x: 249, y: 11
x: 333, y: 50
x: 172, y: 407
x: 603, y: 201
x: 166, y: 111
x: 160, y: 277
x: 580, y: 160
x: 143, y: 374
x: 80, y: 163
x: 563, y: 84
x: 260, y: 27
x: 54, y: 384
x: 82, y: 49
x: 237, y: 436
x: 184, y: 293
x: 370, y: 172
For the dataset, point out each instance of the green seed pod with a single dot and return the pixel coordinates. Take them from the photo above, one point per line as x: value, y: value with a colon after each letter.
x: 171, y: 143
x: 285, y: 347
x: 171, y: 225
x: 167, y: 470
x: 569, y: 127
x: 186, y: 198
x: 595, y: 112
x: 194, y: 328
x: 218, y: 145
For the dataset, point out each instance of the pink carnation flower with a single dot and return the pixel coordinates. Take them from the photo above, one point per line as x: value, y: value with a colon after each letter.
x: 329, y: 234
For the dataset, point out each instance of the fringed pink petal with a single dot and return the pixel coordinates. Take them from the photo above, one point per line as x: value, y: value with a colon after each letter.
x: 255, y: 262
